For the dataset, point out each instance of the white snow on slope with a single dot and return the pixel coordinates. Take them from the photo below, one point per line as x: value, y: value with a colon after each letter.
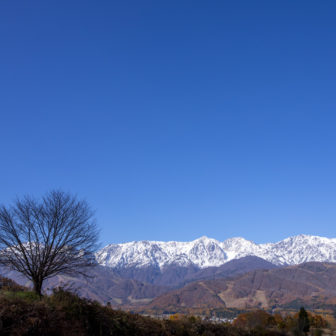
x: 205, y: 252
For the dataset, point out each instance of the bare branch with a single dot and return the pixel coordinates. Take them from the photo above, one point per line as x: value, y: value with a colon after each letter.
x: 43, y: 238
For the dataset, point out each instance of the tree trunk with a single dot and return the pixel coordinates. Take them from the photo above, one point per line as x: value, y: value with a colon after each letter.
x: 38, y: 287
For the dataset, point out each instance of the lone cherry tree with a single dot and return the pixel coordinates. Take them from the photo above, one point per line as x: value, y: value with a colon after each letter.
x: 42, y: 238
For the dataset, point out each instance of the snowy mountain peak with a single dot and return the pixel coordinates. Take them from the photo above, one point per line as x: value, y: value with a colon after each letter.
x: 206, y: 252
x: 238, y: 241
x: 204, y: 238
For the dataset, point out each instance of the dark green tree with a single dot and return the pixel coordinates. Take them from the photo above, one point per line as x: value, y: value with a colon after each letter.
x: 303, y: 321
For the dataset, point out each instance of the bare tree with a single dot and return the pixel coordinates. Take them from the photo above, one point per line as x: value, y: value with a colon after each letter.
x: 42, y: 238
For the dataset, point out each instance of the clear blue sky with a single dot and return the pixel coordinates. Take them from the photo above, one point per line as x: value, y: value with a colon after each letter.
x: 174, y: 119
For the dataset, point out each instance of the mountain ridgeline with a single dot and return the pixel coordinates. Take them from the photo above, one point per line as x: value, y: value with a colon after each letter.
x: 206, y: 252
x: 206, y: 273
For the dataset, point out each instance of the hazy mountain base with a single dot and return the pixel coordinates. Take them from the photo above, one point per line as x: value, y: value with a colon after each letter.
x: 177, y: 276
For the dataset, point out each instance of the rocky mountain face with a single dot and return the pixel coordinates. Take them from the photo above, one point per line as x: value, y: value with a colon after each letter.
x: 310, y: 284
x: 206, y: 252
x: 174, y: 275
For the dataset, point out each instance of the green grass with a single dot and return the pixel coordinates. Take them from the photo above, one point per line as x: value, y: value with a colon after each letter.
x: 24, y: 295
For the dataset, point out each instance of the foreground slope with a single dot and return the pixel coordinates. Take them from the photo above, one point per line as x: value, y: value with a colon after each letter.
x: 63, y: 313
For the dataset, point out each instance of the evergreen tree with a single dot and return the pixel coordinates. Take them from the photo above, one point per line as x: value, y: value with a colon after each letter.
x: 303, y: 321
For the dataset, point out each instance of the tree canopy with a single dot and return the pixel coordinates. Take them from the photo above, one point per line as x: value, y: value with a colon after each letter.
x: 42, y: 238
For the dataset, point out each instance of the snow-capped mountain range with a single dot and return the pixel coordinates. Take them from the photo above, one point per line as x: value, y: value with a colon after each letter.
x: 207, y: 252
